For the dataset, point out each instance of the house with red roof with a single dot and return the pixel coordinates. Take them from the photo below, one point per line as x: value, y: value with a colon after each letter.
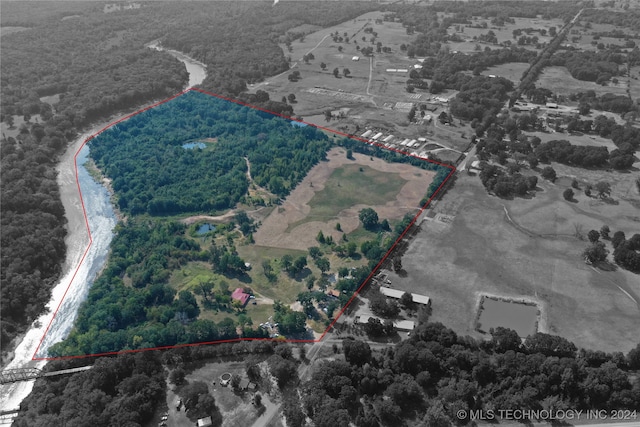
x: 241, y: 296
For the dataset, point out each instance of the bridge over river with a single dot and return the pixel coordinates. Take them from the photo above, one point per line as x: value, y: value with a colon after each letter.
x: 27, y: 374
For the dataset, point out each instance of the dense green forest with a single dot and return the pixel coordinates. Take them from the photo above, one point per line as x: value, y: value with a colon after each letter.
x: 98, y: 65
x: 152, y: 173
x: 144, y: 312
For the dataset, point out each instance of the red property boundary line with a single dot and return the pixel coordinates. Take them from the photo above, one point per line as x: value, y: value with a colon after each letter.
x: 344, y: 308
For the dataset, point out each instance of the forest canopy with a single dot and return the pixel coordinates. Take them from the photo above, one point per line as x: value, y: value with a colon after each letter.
x: 153, y: 173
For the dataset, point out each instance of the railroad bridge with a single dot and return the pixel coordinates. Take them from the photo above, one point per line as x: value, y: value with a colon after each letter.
x: 26, y: 374
x: 22, y: 374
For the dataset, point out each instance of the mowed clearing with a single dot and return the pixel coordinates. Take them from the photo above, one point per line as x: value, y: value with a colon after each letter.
x: 335, y: 191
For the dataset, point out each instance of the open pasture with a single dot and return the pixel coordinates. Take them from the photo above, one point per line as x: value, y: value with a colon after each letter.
x: 503, y: 33
x: 560, y: 81
x: 512, y: 71
x: 482, y: 252
x: 335, y: 191
x: 575, y: 139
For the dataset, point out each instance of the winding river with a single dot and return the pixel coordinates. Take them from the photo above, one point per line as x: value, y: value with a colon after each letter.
x: 87, y: 242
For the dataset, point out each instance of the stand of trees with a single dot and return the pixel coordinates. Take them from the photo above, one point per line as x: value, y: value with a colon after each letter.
x: 620, y: 104
x: 128, y: 389
x: 144, y: 312
x: 32, y: 228
x: 481, y: 98
x: 597, y: 67
x: 435, y: 374
x: 573, y: 155
x: 626, y: 253
x: 123, y: 390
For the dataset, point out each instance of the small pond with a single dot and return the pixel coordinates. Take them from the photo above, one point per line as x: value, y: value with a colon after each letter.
x: 517, y: 316
x: 192, y: 145
x: 205, y: 228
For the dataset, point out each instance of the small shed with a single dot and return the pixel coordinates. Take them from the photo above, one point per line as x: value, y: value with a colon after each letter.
x: 355, y: 58
x: 205, y: 422
x: 334, y: 293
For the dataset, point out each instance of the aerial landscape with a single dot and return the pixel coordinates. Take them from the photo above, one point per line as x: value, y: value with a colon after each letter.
x: 320, y: 213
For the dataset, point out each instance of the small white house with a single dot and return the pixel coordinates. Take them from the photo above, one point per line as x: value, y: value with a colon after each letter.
x: 355, y: 58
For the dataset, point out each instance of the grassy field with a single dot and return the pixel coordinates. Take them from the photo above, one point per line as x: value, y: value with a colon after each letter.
x: 560, y: 81
x: 482, y: 252
x: 353, y: 185
x: 575, y: 139
x: 503, y: 34
x: 394, y: 190
x: 512, y: 71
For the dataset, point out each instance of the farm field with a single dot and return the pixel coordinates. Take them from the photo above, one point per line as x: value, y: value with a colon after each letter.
x: 558, y: 80
x: 481, y: 252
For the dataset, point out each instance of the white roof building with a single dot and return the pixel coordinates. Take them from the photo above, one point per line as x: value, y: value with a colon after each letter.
x: 396, y: 293
x: 355, y: 58
x: 404, y: 325
x: 366, y: 134
x: 376, y: 136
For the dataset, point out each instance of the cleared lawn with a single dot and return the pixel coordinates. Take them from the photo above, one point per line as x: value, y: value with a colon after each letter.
x: 236, y: 409
x: 560, y: 81
x: 481, y: 252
